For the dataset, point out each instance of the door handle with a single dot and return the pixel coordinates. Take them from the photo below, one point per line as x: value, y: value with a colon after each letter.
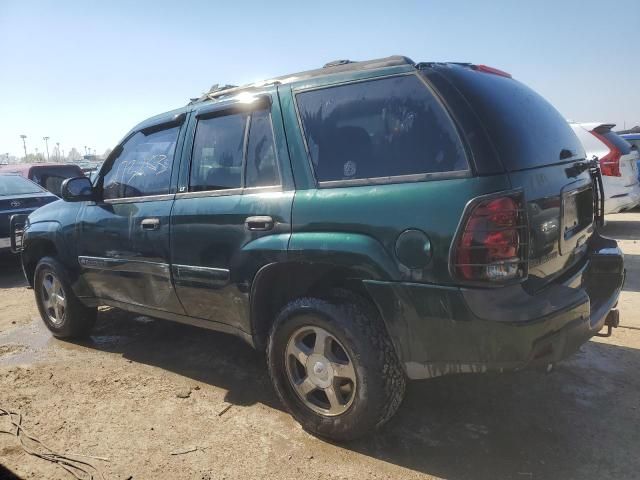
x: 259, y: 223
x: 150, y: 224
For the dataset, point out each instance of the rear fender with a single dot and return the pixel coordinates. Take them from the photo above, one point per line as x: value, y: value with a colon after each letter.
x: 315, y: 263
x: 360, y: 253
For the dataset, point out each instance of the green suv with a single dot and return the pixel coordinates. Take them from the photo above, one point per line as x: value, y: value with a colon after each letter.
x: 363, y: 224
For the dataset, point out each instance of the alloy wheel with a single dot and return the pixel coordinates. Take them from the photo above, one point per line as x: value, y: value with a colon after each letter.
x: 320, y: 371
x: 53, y: 298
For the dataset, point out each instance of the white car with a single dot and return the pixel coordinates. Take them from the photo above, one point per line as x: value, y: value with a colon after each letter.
x: 618, y: 164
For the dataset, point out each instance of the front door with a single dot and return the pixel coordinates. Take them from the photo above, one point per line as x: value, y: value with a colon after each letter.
x: 232, y: 213
x: 123, y: 239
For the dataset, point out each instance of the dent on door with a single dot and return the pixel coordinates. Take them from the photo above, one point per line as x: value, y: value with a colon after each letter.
x: 124, y: 252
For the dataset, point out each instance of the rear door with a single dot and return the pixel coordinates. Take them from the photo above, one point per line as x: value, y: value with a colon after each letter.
x: 539, y: 151
x: 232, y: 212
x: 123, y: 239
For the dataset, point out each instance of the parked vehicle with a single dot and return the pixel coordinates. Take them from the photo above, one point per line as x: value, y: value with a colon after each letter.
x: 618, y: 164
x: 47, y: 175
x: 18, y: 196
x: 634, y: 140
x: 362, y: 223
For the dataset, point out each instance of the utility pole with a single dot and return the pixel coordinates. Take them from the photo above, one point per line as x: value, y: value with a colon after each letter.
x: 24, y: 144
x: 58, y: 150
x: 46, y: 144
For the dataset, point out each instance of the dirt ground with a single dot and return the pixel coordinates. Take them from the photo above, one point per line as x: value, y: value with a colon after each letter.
x: 141, y: 390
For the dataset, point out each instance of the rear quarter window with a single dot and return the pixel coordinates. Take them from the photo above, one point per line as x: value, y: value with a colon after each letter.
x: 526, y: 130
x: 388, y: 127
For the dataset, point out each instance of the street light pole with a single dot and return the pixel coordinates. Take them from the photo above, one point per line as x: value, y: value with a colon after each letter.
x: 58, y: 150
x: 24, y: 144
x: 46, y: 144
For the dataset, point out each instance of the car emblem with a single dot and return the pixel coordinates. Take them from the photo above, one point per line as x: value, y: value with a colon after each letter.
x: 15, y: 203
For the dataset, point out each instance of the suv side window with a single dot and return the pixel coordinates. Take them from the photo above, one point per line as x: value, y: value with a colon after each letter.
x: 262, y: 165
x: 379, y: 128
x: 218, y: 149
x: 144, y: 166
x: 219, y: 156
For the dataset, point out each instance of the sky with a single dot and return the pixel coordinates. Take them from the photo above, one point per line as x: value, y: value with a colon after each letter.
x: 84, y: 72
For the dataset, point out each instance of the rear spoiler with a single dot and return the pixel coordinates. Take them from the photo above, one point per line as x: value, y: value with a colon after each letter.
x: 604, y: 128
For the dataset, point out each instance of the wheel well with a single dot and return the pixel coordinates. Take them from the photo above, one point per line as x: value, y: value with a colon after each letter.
x: 276, y: 285
x: 32, y: 255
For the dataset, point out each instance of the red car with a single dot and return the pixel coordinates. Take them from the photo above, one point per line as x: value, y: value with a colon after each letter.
x: 48, y: 175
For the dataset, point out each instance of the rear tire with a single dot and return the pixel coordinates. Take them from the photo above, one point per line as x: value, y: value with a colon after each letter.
x: 351, y: 389
x: 62, y: 312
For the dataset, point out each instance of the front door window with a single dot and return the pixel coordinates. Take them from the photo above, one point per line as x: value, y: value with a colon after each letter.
x: 144, y: 166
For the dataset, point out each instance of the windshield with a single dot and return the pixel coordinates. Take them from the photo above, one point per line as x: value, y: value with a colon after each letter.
x: 16, y: 185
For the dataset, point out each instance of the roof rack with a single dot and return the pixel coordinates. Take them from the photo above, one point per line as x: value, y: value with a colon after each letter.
x: 335, y: 63
x: 337, y: 66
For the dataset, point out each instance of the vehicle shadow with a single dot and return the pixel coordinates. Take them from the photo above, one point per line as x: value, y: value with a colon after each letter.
x: 11, y: 272
x: 622, y: 228
x: 578, y: 422
x: 632, y: 282
x: 202, y: 355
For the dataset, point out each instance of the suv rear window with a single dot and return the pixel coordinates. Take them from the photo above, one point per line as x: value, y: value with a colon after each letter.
x: 526, y: 130
x: 379, y: 128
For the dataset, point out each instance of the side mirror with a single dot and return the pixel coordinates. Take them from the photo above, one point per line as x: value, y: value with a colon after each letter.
x: 77, y: 189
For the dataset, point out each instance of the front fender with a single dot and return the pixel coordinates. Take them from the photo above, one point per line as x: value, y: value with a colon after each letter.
x: 38, y: 239
x: 38, y: 232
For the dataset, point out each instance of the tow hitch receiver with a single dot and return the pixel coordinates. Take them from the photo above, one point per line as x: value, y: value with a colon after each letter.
x: 612, y: 321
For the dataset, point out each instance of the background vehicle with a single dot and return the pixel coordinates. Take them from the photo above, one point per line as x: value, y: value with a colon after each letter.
x: 18, y: 196
x: 633, y: 139
x: 362, y: 223
x: 618, y: 163
x: 47, y: 175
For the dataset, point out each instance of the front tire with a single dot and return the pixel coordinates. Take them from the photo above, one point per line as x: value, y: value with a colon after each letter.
x: 62, y: 312
x: 334, y: 366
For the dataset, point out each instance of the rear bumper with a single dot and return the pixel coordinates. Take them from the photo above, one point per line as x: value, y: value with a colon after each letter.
x: 443, y: 330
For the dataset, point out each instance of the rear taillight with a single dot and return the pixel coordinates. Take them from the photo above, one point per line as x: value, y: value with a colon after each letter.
x: 491, y: 245
x: 610, y: 163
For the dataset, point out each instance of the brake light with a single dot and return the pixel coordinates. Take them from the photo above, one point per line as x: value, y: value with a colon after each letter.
x: 610, y: 163
x: 491, y: 245
x: 494, y: 71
